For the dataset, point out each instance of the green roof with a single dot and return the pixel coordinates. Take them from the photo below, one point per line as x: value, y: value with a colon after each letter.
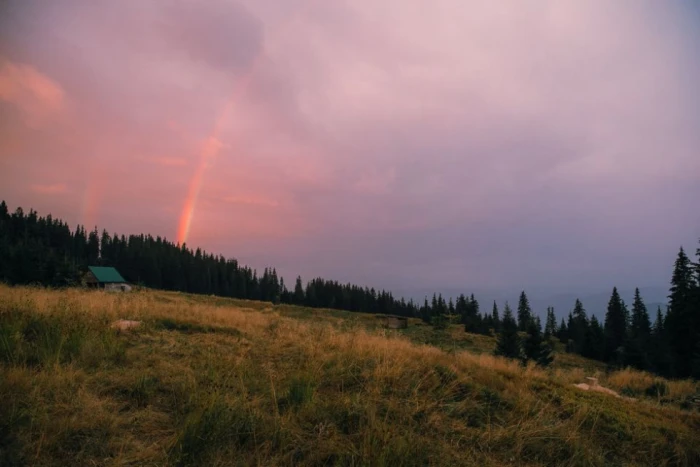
x: 106, y: 275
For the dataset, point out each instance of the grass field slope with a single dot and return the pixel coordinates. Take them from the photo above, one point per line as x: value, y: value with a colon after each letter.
x: 211, y: 381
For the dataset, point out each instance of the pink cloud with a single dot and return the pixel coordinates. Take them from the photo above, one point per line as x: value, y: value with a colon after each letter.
x: 251, y: 201
x: 55, y: 189
x: 170, y: 161
x: 36, y: 95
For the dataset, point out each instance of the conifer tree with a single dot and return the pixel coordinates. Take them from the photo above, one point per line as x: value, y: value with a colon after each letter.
x: 615, y: 329
x: 639, y: 336
x: 470, y: 315
x: 439, y: 320
x: 578, y: 327
x: 550, y: 328
x: 524, y: 312
x: 486, y: 324
x: 495, y: 317
x: 563, y: 332
x: 694, y: 318
x: 425, y: 311
x: 461, y: 308
x: 682, y: 284
x: 93, y: 248
x: 697, y: 264
x: 474, y: 304
x: 508, y: 342
x: 595, y: 340
x: 640, y: 325
x: 299, y: 296
x: 659, y: 352
x: 535, y: 348
x: 681, y: 320
x: 657, y: 329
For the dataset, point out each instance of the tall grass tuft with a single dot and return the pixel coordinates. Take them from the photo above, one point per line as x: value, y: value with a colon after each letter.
x: 300, y: 392
x: 217, y: 424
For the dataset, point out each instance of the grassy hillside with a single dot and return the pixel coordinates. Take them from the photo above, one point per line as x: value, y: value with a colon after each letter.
x: 211, y: 381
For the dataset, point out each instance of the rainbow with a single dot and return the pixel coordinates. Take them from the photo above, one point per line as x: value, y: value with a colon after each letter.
x: 212, y: 145
x: 92, y: 197
x: 207, y: 155
x: 210, y: 149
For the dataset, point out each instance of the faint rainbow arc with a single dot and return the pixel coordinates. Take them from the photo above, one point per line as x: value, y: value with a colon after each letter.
x: 209, y: 151
x: 212, y: 145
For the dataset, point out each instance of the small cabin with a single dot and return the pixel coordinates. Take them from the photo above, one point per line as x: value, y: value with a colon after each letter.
x: 106, y: 278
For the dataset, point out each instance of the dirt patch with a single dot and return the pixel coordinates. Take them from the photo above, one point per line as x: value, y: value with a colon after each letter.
x: 588, y: 387
x: 125, y: 324
x: 592, y: 385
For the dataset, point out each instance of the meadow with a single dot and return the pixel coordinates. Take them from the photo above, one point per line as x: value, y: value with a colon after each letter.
x: 213, y: 381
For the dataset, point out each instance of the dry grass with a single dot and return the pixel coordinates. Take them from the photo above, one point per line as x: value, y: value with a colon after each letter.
x: 210, y: 381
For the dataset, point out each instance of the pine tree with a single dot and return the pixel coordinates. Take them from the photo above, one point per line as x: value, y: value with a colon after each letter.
x: 626, y: 314
x: 439, y: 319
x: 693, y: 313
x: 615, y: 329
x: 470, y: 315
x: 93, y: 247
x: 496, y: 318
x: 461, y: 308
x: 299, y: 296
x: 106, y: 250
x: 594, y: 342
x: 474, y: 304
x: 425, y: 311
x: 563, y: 332
x: 658, y: 328
x: 487, y: 324
x: 640, y: 317
x: 682, y: 319
x: 697, y: 264
x: 659, y: 352
x: 578, y: 327
x: 535, y: 348
x: 508, y: 342
x: 682, y: 282
x: 639, y: 336
x: 550, y: 328
x: 524, y: 312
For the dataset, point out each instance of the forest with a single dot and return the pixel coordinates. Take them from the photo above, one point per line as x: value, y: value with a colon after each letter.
x: 46, y: 251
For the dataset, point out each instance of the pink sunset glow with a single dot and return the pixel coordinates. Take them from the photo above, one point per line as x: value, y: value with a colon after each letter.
x: 385, y: 142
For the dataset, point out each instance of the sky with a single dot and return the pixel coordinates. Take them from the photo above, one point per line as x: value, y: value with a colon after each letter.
x: 392, y: 143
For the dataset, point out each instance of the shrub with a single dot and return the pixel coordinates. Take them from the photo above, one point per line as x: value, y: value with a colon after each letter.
x: 657, y: 389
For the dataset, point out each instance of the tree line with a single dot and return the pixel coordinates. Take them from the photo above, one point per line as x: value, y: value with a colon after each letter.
x: 669, y: 347
x: 44, y: 250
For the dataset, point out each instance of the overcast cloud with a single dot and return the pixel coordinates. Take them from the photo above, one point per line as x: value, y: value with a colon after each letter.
x: 392, y: 143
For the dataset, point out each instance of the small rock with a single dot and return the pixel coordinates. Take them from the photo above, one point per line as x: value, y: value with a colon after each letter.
x: 592, y: 381
x: 125, y: 324
x: 595, y: 387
